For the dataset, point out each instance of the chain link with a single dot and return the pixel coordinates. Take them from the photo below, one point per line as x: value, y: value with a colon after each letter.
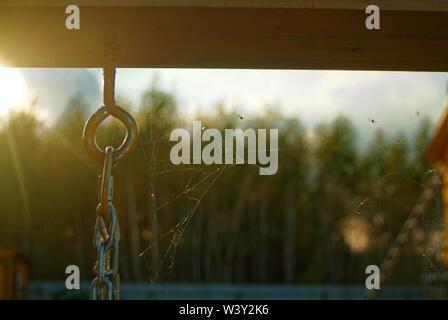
x: 106, y: 238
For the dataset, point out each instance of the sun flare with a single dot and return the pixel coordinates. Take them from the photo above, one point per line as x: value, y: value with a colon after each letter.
x: 13, y: 90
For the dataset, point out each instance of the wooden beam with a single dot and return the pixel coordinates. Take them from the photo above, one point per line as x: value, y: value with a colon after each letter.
x: 400, y: 5
x: 194, y: 37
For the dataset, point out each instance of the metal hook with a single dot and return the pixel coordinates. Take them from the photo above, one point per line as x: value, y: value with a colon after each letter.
x: 110, y: 109
x: 109, y: 78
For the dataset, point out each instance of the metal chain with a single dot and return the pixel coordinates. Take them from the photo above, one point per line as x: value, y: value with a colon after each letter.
x: 106, y: 285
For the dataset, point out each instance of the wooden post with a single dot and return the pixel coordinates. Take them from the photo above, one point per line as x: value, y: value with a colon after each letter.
x: 13, y: 275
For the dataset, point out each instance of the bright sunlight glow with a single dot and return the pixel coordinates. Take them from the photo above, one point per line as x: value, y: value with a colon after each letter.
x: 13, y: 90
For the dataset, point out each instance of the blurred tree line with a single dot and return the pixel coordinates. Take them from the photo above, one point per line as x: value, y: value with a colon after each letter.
x: 332, y: 208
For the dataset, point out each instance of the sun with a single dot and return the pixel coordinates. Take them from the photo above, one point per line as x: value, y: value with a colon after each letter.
x: 13, y: 90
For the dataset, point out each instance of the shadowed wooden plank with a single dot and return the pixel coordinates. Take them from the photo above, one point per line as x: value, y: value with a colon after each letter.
x: 269, y: 38
x: 401, y: 5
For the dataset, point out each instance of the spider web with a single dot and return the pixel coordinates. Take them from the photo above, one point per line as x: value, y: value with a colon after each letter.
x: 202, y: 179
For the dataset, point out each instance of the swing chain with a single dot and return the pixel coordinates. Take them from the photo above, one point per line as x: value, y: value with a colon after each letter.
x: 106, y: 285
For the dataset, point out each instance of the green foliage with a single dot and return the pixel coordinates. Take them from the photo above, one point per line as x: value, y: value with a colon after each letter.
x: 197, y: 223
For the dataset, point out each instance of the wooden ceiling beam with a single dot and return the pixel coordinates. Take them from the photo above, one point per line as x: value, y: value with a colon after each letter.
x: 399, y: 5
x: 224, y: 37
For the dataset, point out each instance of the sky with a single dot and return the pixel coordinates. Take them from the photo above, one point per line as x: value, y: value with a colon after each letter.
x: 396, y: 101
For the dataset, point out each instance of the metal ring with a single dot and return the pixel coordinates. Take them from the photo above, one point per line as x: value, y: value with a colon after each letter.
x: 95, y: 120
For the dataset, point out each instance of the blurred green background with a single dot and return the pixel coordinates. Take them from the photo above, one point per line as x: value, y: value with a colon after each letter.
x: 333, y: 207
